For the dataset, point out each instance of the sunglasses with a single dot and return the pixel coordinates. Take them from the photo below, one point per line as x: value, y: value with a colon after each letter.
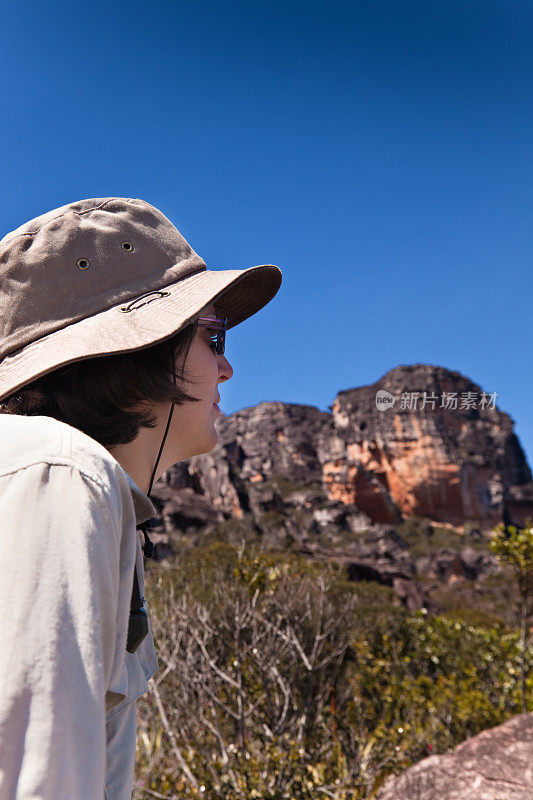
x: 218, y: 326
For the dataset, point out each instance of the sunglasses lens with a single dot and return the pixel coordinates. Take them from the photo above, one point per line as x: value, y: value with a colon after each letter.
x: 219, y: 333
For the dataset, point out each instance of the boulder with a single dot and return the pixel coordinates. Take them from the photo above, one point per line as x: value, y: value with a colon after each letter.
x: 497, y: 764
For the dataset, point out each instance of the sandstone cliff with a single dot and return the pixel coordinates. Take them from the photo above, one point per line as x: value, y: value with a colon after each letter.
x: 448, y: 464
x: 441, y: 455
x: 339, y: 484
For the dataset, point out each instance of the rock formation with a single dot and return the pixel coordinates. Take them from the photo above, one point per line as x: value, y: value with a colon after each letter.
x: 447, y: 464
x: 296, y: 476
x: 450, y: 566
x: 436, y: 460
x: 495, y: 765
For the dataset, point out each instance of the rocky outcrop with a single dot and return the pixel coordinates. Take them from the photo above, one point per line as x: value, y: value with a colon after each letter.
x: 436, y: 451
x: 450, y: 566
x: 380, y: 555
x: 297, y: 476
x: 255, y: 444
x: 495, y: 765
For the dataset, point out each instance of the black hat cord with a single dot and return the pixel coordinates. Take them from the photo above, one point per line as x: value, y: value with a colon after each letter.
x: 138, y: 622
x: 148, y: 548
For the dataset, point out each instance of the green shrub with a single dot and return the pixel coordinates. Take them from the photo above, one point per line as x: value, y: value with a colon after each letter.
x: 281, y: 679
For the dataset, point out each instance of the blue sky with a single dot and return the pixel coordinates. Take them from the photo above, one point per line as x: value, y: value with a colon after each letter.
x: 379, y: 152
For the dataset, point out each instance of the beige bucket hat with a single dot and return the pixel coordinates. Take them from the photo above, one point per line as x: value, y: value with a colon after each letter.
x: 105, y: 276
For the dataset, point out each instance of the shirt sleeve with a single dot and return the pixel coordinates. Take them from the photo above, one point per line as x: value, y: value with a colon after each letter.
x: 66, y: 567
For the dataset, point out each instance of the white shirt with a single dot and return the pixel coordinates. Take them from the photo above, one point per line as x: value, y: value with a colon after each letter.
x: 69, y: 515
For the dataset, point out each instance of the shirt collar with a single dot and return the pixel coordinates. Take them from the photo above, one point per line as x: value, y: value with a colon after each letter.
x: 144, y: 508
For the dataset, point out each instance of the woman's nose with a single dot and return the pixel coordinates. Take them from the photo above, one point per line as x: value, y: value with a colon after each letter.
x: 225, y: 370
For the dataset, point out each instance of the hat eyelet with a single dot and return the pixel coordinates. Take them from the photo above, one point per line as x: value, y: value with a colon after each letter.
x: 83, y: 263
x: 127, y: 246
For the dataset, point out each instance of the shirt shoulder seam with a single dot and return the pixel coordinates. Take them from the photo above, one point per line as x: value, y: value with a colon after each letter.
x: 59, y: 462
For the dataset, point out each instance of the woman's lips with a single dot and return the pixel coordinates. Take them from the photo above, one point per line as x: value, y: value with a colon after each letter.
x: 217, y: 408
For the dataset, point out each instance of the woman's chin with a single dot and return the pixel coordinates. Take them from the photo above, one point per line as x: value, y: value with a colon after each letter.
x: 210, y: 441
x: 214, y: 437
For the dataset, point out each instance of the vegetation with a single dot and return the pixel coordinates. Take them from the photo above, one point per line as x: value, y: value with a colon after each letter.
x: 424, y: 537
x: 514, y: 546
x: 279, y: 678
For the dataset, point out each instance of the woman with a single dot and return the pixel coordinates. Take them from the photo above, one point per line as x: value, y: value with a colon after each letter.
x: 111, y: 359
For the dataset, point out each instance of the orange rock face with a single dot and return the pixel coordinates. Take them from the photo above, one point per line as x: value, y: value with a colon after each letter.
x: 430, y: 459
x: 352, y: 483
x: 448, y: 464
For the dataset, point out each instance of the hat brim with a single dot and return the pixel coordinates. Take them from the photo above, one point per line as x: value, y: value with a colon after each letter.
x: 239, y: 292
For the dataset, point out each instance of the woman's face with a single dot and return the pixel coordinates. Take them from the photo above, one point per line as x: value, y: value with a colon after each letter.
x: 194, y: 422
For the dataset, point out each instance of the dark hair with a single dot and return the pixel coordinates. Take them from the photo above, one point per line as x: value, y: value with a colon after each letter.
x: 110, y: 398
